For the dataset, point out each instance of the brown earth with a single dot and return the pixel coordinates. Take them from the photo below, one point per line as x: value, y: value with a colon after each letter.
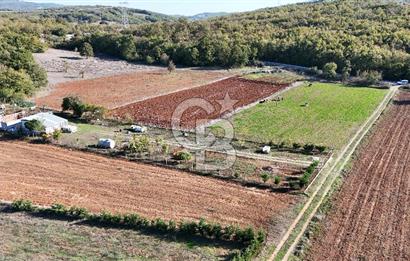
x: 120, y: 90
x: 46, y: 174
x: 159, y: 111
x: 370, y: 219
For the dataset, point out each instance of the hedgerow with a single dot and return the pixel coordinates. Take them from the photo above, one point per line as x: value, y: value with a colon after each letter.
x: 249, y: 238
x: 304, y: 180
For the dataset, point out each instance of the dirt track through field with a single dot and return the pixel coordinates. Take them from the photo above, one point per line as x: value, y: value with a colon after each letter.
x: 47, y: 175
x: 371, y: 217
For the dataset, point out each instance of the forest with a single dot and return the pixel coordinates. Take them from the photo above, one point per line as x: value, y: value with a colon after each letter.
x: 20, y: 76
x: 351, y: 36
x: 356, y: 35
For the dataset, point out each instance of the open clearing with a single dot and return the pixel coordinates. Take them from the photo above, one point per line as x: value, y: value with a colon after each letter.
x: 65, y: 66
x: 158, y: 111
x: 322, y: 114
x: 370, y: 218
x: 119, y: 90
x: 47, y: 174
x: 27, y: 237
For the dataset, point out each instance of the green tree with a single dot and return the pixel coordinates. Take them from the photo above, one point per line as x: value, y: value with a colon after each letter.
x: 34, y: 126
x: 87, y: 50
x: 329, y: 71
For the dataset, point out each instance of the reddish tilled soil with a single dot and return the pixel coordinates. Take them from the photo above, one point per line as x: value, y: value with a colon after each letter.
x: 47, y: 175
x: 119, y: 90
x: 370, y: 219
x: 159, y: 111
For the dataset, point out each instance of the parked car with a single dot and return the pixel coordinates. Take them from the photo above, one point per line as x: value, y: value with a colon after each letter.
x: 403, y: 82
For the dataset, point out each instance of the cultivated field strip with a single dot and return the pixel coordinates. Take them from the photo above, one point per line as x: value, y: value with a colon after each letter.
x: 115, y: 91
x: 47, y: 175
x: 159, y: 111
x: 371, y: 217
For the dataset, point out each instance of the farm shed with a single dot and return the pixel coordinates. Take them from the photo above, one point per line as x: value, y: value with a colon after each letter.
x: 48, y: 119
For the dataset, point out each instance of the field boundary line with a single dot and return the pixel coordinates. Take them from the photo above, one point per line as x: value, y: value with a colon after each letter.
x: 342, y: 155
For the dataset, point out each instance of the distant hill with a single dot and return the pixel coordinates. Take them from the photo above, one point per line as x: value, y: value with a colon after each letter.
x: 16, y: 5
x: 204, y: 16
x: 98, y: 14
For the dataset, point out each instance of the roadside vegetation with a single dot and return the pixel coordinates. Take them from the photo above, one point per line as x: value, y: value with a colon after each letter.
x: 321, y: 114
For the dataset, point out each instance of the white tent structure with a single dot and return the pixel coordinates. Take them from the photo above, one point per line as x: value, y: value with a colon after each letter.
x: 48, y: 119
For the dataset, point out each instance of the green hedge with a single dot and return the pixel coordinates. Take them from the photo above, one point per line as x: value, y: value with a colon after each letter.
x: 304, y: 180
x: 251, y: 240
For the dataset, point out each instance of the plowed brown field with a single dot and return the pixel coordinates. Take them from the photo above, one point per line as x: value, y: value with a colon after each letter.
x: 370, y: 219
x: 119, y: 90
x: 47, y: 175
x: 158, y: 111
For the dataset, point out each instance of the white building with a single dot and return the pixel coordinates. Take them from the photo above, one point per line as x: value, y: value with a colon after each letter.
x: 48, y: 119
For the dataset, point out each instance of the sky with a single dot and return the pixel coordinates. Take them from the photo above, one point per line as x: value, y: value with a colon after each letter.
x: 182, y: 7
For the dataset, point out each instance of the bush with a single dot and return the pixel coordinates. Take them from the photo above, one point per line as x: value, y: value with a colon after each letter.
x: 164, y: 59
x: 308, y: 148
x: 367, y: 78
x: 87, y: 50
x: 22, y: 205
x: 296, y: 146
x: 265, y: 176
x: 329, y: 71
x: 80, y: 109
x: 182, y: 156
x: 278, y: 179
x: 321, y: 149
x: 34, y: 126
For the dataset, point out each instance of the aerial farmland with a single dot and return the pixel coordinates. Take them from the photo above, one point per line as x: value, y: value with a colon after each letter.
x: 276, y: 134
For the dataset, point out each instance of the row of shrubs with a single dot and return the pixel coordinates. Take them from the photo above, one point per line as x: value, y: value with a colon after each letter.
x: 251, y: 240
x: 304, y: 180
x: 297, y: 147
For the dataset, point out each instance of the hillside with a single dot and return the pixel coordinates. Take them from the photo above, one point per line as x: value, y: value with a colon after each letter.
x: 105, y: 14
x: 356, y: 35
x: 16, y: 5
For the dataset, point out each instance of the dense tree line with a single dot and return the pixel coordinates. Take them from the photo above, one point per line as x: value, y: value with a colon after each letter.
x: 20, y: 76
x: 355, y: 35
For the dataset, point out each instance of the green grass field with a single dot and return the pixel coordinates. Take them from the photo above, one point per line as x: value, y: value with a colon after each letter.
x: 334, y: 112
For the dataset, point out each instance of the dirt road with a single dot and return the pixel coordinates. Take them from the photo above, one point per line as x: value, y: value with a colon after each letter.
x: 47, y: 174
x: 370, y: 219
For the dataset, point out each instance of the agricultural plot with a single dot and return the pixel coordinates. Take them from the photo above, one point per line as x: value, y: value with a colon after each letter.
x: 158, y: 111
x: 369, y: 218
x: 27, y: 237
x: 322, y: 114
x: 47, y: 174
x: 119, y: 90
